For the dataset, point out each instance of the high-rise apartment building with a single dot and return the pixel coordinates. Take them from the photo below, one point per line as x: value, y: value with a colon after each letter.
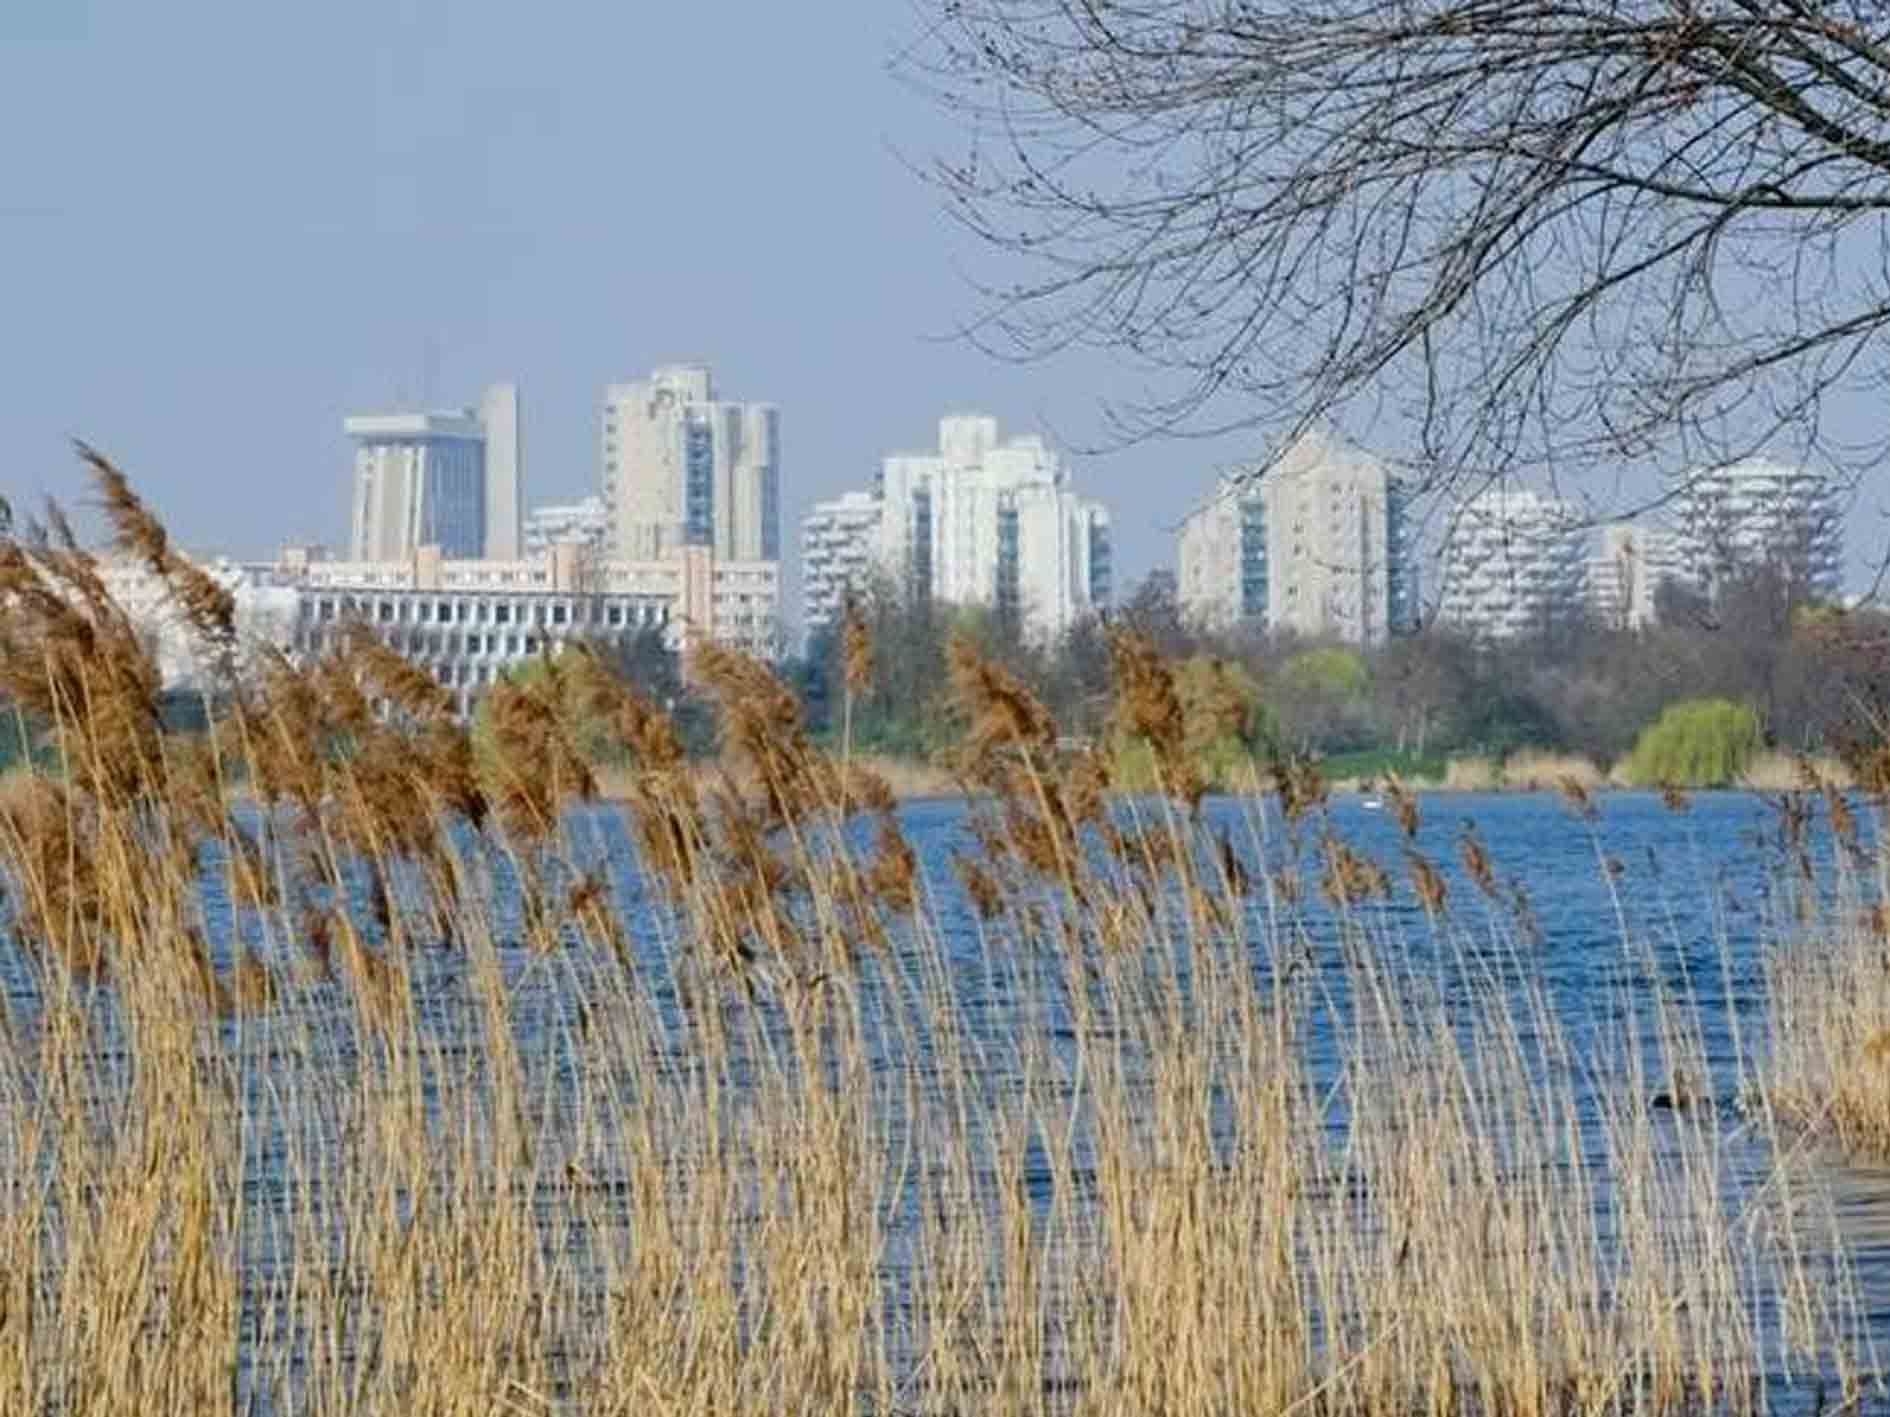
x: 839, y: 539
x: 1514, y: 563
x: 990, y: 521
x: 1624, y: 580
x: 1222, y: 557
x: 448, y: 479
x: 681, y: 467
x: 1314, y: 543
x: 1337, y: 561
x: 585, y: 522
x: 1762, y: 515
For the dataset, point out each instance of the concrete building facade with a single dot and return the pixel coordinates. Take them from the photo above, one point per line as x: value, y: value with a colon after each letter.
x: 1514, y: 563
x: 1221, y: 560
x: 586, y: 522
x: 995, y: 522
x: 504, y: 477
x: 838, y: 542
x: 466, y: 622
x: 1314, y: 543
x: 1625, y: 577
x: 1761, y: 514
x: 450, y: 479
x: 681, y: 467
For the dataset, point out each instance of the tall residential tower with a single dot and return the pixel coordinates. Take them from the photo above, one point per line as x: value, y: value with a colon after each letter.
x: 1762, y: 515
x: 681, y: 467
x: 1314, y: 543
x: 1515, y: 563
x: 995, y: 522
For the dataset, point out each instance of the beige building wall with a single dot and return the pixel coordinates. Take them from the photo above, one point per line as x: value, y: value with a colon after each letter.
x: 1208, y: 560
x: 1328, y: 525
x: 660, y: 433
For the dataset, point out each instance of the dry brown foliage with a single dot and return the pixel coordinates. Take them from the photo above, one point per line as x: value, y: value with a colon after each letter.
x: 1476, y: 863
x: 670, y: 1190
x: 856, y: 649
x: 1351, y: 878
x: 1404, y: 805
x: 1148, y: 708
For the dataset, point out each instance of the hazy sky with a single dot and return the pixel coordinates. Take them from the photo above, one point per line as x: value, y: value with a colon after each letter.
x: 226, y: 225
x: 223, y: 226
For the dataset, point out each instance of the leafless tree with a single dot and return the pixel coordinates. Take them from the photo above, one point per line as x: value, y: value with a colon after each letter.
x: 1561, y: 233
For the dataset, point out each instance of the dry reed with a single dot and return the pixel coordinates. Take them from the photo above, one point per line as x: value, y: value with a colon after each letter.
x: 795, y: 1132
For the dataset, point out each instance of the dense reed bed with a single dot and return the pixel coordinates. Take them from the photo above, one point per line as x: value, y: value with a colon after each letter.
x: 350, y: 1069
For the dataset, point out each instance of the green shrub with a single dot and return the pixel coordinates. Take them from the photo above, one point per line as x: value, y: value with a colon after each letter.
x: 1698, y: 743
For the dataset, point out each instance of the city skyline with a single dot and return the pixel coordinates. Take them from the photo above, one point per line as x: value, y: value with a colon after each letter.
x: 422, y: 212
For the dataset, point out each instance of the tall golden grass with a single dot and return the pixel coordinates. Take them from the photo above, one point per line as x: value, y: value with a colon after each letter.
x: 1773, y: 771
x: 366, y: 1089
x: 1527, y: 771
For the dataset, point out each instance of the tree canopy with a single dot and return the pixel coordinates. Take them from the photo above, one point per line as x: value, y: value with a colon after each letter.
x: 1569, y: 235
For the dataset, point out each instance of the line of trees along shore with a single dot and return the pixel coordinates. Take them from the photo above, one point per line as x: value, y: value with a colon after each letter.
x: 1688, y: 700
x: 1778, y: 671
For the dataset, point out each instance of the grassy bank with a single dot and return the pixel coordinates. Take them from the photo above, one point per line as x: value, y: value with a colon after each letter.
x: 376, y: 1093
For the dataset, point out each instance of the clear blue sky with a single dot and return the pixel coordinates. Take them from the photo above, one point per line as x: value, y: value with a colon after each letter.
x: 225, y: 225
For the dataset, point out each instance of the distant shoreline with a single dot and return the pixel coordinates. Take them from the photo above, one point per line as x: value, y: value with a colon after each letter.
x: 915, y: 780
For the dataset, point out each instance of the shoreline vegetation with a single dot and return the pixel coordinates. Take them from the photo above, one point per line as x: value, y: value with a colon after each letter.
x: 346, y: 1069
x: 916, y: 779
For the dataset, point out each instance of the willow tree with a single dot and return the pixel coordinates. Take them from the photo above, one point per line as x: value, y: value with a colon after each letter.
x: 1543, y: 231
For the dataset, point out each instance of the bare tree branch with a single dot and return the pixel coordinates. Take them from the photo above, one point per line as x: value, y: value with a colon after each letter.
x: 1561, y: 232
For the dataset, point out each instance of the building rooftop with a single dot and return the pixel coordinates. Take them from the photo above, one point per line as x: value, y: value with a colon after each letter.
x: 457, y: 423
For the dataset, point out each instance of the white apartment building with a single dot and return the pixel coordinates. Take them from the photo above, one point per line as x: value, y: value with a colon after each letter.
x: 680, y: 467
x: 1222, y: 558
x: 1336, y: 564
x: 1514, y: 563
x: 1624, y: 579
x: 1762, y: 514
x: 1314, y: 542
x: 449, y: 479
x: 466, y: 622
x: 987, y: 521
x: 839, y: 539
x: 586, y: 522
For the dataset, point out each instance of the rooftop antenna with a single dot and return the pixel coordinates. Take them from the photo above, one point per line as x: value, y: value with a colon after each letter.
x: 429, y: 369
